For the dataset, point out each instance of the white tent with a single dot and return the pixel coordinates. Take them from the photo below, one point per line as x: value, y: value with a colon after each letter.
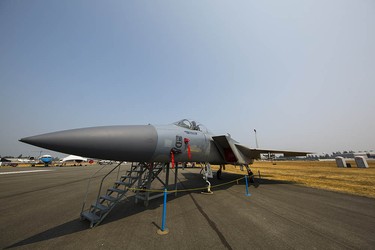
x: 74, y: 158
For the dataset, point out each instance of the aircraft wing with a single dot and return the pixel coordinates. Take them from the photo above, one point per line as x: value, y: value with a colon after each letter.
x: 235, y: 153
x: 254, y: 153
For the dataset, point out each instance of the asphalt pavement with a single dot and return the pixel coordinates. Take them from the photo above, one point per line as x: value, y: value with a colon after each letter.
x: 40, y: 210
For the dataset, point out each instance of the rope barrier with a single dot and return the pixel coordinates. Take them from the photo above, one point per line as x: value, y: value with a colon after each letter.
x: 182, y: 190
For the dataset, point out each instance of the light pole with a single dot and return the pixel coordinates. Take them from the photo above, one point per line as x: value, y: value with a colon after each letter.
x: 256, y: 139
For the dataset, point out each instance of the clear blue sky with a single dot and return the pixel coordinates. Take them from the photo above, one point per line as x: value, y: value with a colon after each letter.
x: 301, y: 72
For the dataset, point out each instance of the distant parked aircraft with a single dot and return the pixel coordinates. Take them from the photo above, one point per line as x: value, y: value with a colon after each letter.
x: 46, y: 159
x: 15, y: 161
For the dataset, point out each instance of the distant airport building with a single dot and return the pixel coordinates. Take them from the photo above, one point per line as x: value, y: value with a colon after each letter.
x: 340, y: 162
x: 352, y: 155
x: 361, y: 162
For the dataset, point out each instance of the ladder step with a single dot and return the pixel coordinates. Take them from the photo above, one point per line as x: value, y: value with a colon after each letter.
x: 90, y: 216
x: 135, y: 171
x: 108, y: 198
x: 129, y: 177
x: 122, y: 183
x: 120, y: 191
x: 100, y: 207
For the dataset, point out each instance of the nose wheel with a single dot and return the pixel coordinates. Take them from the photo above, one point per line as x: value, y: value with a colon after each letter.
x: 207, y: 173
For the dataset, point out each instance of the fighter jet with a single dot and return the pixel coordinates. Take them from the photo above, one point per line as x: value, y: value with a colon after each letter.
x: 151, y: 148
x: 182, y: 141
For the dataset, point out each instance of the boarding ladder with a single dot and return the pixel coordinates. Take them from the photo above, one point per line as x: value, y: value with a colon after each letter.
x: 138, y: 178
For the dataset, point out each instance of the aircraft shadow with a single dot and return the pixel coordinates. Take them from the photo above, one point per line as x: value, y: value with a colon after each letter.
x: 128, y: 207
x: 70, y: 227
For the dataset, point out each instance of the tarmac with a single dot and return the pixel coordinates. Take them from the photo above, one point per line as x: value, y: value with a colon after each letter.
x: 40, y: 210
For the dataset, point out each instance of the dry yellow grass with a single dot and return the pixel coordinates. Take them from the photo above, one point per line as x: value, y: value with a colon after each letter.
x: 317, y: 174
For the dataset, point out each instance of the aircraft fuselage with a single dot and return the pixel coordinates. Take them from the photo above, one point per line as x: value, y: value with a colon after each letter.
x: 134, y: 143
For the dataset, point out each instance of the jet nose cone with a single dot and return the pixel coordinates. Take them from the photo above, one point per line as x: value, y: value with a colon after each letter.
x: 24, y: 140
x: 33, y: 140
x: 121, y: 143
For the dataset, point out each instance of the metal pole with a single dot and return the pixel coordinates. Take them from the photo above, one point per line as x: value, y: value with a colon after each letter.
x: 148, y: 185
x: 164, y: 210
x: 175, y: 180
x: 247, y: 186
x: 256, y: 139
x: 167, y: 177
x: 163, y: 230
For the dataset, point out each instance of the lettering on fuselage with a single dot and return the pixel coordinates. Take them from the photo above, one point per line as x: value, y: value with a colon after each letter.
x: 178, y: 141
x: 190, y: 133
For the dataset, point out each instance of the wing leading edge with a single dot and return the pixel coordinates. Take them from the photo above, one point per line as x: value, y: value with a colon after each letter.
x: 254, y: 153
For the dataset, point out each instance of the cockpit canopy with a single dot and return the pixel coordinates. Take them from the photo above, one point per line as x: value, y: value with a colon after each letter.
x: 190, y: 124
